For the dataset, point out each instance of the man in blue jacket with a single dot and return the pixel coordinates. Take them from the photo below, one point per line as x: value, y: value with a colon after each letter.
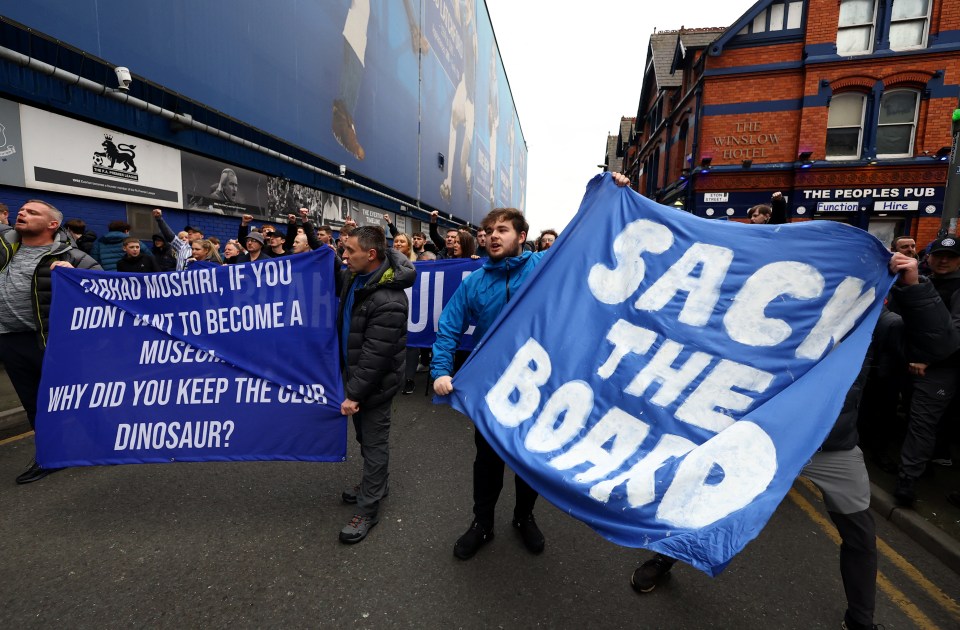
x: 479, y: 300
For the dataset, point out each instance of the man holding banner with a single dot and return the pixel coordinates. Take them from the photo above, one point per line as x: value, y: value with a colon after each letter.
x: 28, y: 254
x: 709, y: 364
x: 373, y: 336
x: 480, y: 298
x: 837, y: 468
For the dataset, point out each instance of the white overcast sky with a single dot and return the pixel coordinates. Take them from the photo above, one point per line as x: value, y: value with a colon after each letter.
x: 575, y: 68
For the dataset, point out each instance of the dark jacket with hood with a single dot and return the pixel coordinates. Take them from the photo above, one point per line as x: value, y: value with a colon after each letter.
x: 377, y: 342
x: 42, y: 294
x: 108, y: 250
x: 919, y: 327
x: 142, y: 263
x: 165, y: 256
x: 86, y: 241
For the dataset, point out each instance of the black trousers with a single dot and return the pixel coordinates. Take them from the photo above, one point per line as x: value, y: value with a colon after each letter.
x: 23, y: 358
x: 488, y: 482
x: 372, y: 424
x: 858, y: 563
x: 932, y: 395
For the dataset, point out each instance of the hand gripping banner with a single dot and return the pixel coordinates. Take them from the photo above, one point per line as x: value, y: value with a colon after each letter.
x: 437, y: 280
x: 664, y: 378
x: 214, y: 363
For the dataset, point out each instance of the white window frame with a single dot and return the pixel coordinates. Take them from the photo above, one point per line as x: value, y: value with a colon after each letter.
x: 926, y: 27
x: 863, y: 111
x: 913, y: 127
x: 873, y: 32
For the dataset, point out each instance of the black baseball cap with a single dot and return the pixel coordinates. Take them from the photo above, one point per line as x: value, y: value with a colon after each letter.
x: 948, y: 244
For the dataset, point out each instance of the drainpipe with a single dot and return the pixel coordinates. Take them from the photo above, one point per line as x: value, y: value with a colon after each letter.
x: 691, y: 190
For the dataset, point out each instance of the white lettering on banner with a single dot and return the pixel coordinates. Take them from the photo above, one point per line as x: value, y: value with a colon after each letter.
x: 838, y: 318
x: 748, y: 459
x: 107, y: 394
x: 613, y: 286
x: 701, y: 292
x: 422, y: 307
x: 618, y: 428
x: 523, y: 379
x: 153, y: 392
x: 746, y: 322
x: 201, y: 391
x: 197, y: 281
x: 138, y: 436
x: 66, y: 397
x: 87, y: 317
x: 251, y: 317
x: 272, y: 272
x: 640, y: 479
x: 160, y: 321
x: 173, y: 351
x: 113, y: 289
x: 618, y: 436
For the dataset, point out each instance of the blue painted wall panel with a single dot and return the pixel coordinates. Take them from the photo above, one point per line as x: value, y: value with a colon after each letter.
x: 281, y: 66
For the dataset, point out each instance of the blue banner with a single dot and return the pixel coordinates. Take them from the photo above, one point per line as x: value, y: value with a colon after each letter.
x: 437, y: 281
x: 237, y: 362
x: 664, y: 378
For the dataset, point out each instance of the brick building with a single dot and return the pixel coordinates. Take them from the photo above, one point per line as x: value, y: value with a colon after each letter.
x: 617, y: 145
x: 843, y: 105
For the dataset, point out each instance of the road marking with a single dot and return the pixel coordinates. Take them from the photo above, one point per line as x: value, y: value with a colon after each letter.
x: 16, y: 437
x: 896, y: 596
x: 937, y: 595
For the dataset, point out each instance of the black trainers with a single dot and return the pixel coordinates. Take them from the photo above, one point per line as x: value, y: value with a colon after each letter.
x: 468, y: 544
x: 409, y: 386
x: 904, y: 494
x: 652, y: 573
x: 357, y: 529
x: 35, y: 473
x: 530, y: 533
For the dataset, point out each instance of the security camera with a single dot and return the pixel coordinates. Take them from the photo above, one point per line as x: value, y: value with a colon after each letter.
x: 123, y: 77
x: 343, y: 170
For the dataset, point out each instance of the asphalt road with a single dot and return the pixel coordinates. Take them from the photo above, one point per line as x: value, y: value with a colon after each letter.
x: 255, y: 545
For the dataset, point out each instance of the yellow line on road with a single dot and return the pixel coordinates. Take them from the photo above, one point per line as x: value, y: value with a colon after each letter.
x: 937, y: 595
x: 896, y: 596
x: 16, y: 437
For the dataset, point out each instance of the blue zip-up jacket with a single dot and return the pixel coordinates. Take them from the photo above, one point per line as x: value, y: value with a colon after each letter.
x: 479, y: 299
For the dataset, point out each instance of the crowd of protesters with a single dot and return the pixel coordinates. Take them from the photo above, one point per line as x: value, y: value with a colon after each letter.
x: 907, y: 418
x: 904, y: 410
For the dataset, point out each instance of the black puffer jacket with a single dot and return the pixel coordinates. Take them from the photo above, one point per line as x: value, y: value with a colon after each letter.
x: 377, y: 343
x: 920, y: 327
x: 42, y: 294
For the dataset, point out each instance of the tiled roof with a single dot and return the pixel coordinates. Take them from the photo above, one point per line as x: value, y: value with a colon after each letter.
x: 662, y: 46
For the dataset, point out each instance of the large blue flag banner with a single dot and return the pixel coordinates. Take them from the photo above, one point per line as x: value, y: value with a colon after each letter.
x: 437, y: 281
x: 695, y: 368
x: 213, y: 363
